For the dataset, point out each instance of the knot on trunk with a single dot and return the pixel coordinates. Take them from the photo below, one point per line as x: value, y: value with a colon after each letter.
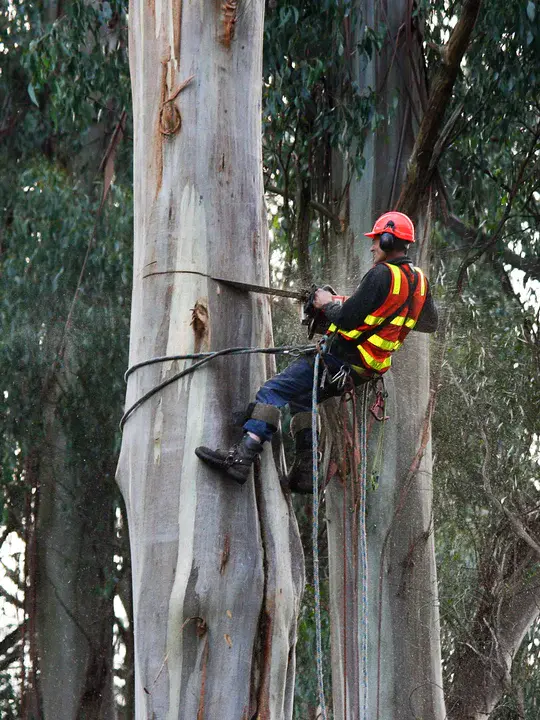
x: 200, y: 323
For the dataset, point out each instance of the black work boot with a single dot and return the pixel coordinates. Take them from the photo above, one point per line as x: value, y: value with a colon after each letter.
x: 300, y: 477
x: 235, y: 462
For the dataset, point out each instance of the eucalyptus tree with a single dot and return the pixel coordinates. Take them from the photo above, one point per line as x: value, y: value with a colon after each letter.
x: 63, y: 309
x: 476, y: 157
x: 217, y: 569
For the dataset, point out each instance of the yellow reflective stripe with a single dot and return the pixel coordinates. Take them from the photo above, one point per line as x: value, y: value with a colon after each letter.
x: 382, y: 343
x: 396, y: 272
x: 360, y: 369
x: 398, y: 345
x: 422, y: 281
x: 375, y: 364
x: 373, y: 320
x: 352, y: 334
x: 400, y: 320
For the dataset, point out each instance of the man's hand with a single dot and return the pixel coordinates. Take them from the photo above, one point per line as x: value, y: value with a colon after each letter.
x: 322, y: 297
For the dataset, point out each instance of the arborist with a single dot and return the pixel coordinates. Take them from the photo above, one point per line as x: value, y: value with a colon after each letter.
x: 366, y: 329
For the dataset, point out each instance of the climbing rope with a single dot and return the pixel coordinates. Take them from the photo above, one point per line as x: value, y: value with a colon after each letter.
x: 363, y: 552
x: 203, y: 358
x: 315, y: 535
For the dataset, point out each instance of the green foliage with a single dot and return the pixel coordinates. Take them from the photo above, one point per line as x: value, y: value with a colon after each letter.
x: 498, y: 129
x: 310, y: 94
x: 313, y: 108
x: 62, y: 77
x: 65, y: 267
x: 306, y: 686
x: 487, y: 410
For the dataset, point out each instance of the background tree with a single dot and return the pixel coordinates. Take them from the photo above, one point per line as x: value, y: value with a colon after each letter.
x: 65, y: 266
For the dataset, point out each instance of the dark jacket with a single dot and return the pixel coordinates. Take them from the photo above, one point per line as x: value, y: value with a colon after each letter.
x: 368, y: 296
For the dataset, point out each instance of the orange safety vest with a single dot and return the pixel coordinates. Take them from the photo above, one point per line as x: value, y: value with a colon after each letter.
x: 377, y: 348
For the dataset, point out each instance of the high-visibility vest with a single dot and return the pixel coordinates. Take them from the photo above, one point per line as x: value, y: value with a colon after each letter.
x: 377, y: 348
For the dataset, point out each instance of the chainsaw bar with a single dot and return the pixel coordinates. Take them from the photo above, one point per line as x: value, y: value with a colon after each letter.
x: 295, y: 295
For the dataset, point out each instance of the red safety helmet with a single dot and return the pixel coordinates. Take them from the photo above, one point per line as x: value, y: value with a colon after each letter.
x: 395, y: 223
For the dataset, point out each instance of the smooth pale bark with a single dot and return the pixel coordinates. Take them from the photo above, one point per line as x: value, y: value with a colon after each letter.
x: 403, y: 659
x: 217, y: 568
x: 74, y: 610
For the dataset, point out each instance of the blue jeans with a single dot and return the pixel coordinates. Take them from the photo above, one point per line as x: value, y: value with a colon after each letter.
x: 294, y: 387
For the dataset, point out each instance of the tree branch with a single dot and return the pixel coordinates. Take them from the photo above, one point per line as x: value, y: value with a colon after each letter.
x: 11, y: 640
x: 494, y: 237
x: 530, y: 265
x: 515, y: 522
x: 421, y: 169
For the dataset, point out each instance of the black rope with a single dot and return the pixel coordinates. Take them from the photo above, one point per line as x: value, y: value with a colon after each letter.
x: 205, y: 357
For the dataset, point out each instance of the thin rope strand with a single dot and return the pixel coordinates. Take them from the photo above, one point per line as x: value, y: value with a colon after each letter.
x: 315, y: 538
x: 363, y: 553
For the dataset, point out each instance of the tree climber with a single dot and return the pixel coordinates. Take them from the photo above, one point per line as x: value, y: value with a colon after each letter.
x: 392, y: 299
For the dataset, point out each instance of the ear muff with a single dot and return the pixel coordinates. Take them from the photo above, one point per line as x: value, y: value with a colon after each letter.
x: 386, y: 241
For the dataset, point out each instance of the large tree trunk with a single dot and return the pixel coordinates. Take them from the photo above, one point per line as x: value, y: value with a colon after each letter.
x: 217, y: 568
x: 403, y: 658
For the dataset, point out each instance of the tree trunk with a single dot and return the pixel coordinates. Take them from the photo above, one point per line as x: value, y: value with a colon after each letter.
x: 217, y: 568
x: 74, y: 600
x: 403, y: 659
x: 482, y: 662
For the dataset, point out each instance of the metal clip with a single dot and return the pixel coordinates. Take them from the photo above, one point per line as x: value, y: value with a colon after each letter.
x: 378, y: 407
x: 340, y: 378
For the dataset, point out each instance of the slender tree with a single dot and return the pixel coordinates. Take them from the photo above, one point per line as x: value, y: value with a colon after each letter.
x: 61, y: 331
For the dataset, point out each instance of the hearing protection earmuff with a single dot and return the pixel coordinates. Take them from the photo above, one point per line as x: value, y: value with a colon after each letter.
x: 386, y: 240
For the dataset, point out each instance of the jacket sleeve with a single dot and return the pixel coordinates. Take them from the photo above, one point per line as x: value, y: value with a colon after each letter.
x: 368, y: 296
x: 429, y: 317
